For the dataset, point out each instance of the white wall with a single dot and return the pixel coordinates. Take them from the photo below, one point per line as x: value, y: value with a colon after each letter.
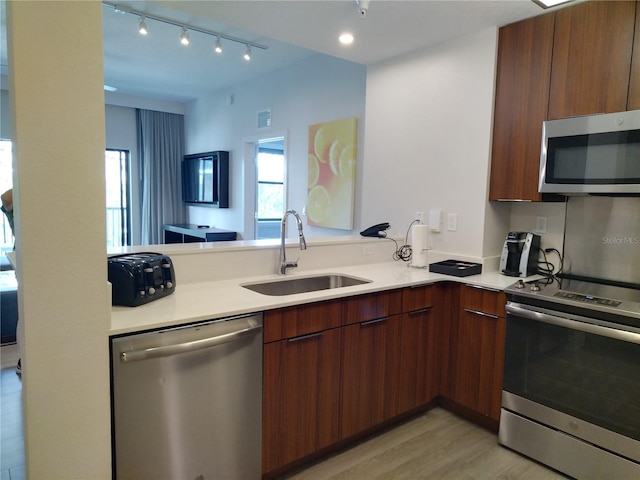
x: 524, y: 219
x: 133, y: 101
x: 315, y: 90
x: 427, y: 142
x: 57, y: 112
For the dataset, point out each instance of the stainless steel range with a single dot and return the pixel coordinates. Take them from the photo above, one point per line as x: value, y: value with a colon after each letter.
x: 571, y: 389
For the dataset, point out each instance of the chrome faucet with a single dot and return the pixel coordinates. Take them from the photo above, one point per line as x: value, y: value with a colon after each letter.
x: 283, y: 233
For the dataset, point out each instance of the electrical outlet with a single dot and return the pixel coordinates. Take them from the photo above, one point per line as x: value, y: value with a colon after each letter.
x: 452, y: 222
x: 420, y: 217
x: 368, y: 250
x: 541, y: 225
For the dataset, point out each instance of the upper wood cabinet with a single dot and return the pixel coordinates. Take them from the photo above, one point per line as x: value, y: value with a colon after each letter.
x: 575, y: 61
x: 591, y: 58
x: 522, y: 96
x: 634, y: 82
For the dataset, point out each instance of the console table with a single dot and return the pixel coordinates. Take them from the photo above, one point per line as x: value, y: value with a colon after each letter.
x: 190, y: 233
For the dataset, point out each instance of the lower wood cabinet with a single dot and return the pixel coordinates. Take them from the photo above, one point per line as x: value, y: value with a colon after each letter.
x: 369, y: 374
x: 336, y: 369
x: 301, y: 395
x: 419, y: 359
x: 478, y: 351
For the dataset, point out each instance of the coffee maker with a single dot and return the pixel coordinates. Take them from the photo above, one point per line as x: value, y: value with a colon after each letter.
x: 520, y: 254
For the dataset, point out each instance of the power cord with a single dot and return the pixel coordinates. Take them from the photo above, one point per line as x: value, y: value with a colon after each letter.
x: 404, y: 252
x: 547, y: 268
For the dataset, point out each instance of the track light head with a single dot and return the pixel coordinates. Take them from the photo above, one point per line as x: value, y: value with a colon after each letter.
x: 142, y: 27
x: 185, y: 27
x: 184, y: 37
x: 363, y: 7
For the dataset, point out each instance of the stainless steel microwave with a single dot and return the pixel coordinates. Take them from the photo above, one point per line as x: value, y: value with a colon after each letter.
x: 592, y: 154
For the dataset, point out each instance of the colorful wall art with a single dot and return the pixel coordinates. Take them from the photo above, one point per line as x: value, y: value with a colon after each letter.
x: 332, y: 168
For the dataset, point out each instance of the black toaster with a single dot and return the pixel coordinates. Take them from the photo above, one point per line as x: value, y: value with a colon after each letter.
x: 140, y: 278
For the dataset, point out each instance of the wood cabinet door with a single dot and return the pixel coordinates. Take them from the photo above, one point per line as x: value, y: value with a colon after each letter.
x: 369, y: 383
x: 522, y: 97
x: 301, y: 320
x: 591, y: 58
x: 417, y: 297
x: 371, y: 306
x: 300, y: 397
x: 634, y: 82
x: 418, y: 359
x: 475, y: 361
x: 479, y: 350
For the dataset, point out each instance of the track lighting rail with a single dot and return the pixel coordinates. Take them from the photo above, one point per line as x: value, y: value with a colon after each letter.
x: 218, y: 35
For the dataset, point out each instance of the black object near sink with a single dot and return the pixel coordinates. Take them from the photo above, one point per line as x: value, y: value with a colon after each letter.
x: 456, y: 268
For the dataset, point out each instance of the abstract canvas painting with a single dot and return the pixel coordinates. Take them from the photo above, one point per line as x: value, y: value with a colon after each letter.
x: 332, y: 168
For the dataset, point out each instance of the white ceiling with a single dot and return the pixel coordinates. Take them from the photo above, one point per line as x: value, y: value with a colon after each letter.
x: 158, y: 66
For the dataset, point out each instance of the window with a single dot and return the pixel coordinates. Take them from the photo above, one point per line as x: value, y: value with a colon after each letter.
x: 117, y: 186
x: 271, y: 189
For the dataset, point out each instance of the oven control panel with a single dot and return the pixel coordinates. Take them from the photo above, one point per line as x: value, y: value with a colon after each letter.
x: 587, y: 299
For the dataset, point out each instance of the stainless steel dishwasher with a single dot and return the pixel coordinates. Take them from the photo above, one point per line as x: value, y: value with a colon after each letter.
x: 187, y: 402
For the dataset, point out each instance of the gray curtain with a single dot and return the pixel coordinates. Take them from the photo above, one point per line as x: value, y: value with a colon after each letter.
x: 161, y: 148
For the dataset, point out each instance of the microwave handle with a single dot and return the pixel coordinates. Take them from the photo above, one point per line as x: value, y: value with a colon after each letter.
x: 530, y: 314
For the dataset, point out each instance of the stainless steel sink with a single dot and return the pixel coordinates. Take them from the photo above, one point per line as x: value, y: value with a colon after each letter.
x: 290, y: 286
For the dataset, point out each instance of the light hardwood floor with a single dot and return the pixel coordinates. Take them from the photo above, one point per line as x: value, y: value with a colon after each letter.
x: 11, y: 434
x: 436, y: 445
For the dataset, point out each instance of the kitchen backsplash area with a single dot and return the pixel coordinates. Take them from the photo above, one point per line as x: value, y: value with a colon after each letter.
x: 546, y: 219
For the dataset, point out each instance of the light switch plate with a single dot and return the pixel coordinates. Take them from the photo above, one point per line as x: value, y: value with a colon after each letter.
x: 435, y: 220
x: 541, y: 225
x: 452, y: 222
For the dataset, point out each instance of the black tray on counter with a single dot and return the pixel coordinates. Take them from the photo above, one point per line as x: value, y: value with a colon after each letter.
x: 457, y: 268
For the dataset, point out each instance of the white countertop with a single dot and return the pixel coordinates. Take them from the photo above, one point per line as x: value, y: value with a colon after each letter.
x: 217, y: 299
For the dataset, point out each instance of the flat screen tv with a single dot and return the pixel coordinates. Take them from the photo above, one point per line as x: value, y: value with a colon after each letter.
x: 205, y: 179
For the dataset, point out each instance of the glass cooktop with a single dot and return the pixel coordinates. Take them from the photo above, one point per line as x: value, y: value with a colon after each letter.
x: 618, y: 299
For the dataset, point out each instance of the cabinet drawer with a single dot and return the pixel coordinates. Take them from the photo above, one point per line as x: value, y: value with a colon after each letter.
x: 301, y: 320
x: 481, y: 300
x: 417, y: 298
x: 372, y: 306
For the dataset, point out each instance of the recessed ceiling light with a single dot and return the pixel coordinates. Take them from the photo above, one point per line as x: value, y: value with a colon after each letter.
x: 550, y: 3
x: 346, y: 39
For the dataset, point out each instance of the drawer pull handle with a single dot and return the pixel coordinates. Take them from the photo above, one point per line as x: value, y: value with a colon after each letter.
x: 422, y: 310
x: 483, y: 314
x: 373, y: 322
x: 305, y: 337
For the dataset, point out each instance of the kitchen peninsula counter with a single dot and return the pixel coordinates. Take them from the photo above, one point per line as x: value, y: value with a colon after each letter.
x: 193, y: 302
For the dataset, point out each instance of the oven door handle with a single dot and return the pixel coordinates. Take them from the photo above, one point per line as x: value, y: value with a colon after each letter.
x: 583, y: 326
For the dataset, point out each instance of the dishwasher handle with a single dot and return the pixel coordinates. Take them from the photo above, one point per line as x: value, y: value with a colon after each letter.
x: 168, y: 350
